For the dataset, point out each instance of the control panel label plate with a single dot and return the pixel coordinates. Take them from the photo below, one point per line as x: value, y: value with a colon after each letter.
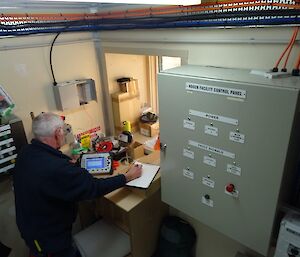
x: 234, y: 169
x: 215, y: 117
x: 188, y: 153
x: 237, y: 137
x: 189, y: 174
x: 212, y: 149
x: 208, y: 182
x: 189, y: 124
x: 233, y: 92
x: 213, y: 131
x: 210, y: 161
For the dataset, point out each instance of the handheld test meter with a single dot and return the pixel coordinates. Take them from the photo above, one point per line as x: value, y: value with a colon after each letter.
x: 97, y: 163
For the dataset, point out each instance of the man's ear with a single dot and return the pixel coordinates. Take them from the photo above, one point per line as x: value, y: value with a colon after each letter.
x: 57, y: 133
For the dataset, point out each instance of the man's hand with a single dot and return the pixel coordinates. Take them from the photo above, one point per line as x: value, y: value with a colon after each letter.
x: 134, y: 172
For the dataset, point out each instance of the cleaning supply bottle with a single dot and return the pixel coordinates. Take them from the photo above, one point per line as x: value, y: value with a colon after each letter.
x: 126, y: 126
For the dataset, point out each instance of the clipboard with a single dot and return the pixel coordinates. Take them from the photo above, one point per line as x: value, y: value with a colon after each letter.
x: 148, y: 173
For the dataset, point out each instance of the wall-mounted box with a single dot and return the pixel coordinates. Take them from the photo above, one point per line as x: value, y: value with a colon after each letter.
x: 72, y: 94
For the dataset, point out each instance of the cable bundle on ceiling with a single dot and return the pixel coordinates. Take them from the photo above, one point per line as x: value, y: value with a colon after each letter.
x: 225, y: 13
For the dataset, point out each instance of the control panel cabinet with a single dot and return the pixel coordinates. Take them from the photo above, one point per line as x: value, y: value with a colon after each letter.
x: 231, y: 148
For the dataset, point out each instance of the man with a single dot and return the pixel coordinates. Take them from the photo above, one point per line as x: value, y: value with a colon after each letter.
x: 47, y: 186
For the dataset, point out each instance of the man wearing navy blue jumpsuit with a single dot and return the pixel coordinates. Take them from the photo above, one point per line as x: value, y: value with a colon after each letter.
x: 47, y: 186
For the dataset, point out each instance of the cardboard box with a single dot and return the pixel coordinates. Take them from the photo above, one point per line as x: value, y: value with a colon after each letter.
x: 135, y: 150
x: 149, y: 129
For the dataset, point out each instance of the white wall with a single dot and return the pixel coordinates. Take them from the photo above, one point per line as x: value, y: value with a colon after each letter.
x: 25, y: 74
x: 254, y: 48
x: 127, y: 65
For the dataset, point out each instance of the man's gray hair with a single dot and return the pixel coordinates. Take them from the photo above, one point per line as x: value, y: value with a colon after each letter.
x: 45, y: 124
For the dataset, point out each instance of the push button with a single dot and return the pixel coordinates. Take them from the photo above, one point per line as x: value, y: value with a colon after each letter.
x: 230, y: 188
x: 207, y: 197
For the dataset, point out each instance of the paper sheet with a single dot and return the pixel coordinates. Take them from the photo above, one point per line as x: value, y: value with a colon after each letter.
x: 148, y: 173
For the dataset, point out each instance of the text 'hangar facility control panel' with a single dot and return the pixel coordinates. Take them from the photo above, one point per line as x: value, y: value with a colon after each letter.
x: 230, y: 148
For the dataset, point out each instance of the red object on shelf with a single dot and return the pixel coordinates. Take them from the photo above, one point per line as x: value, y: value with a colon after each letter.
x: 157, y: 144
x: 115, y: 165
x: 104, y: 147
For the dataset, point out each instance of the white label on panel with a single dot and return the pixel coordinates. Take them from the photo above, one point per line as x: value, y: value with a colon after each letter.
x: 208, y: 182
x: 210, y: 161
x: 233, y: 92
x: 6, y: 127
x: 235, y: 193
x: 4, y: 133
x: 188, y: 174
x: 189, y: 124
x: 216, y: 117
x: 207, y: 202
x: 211, y: 130
x: 188, y: 153
x: 237, y: 137
x: 212, y: 149
x: 234, y: 169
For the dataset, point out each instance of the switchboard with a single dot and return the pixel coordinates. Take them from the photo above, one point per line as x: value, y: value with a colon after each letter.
x: 231, y: 148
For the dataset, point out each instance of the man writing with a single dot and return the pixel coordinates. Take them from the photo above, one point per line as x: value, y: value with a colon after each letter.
x: 47, y: 186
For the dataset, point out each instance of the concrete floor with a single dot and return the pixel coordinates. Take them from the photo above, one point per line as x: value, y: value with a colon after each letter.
x: 9, y: 233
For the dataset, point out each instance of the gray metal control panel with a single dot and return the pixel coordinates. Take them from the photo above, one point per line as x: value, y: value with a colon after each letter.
x: 231, y: 148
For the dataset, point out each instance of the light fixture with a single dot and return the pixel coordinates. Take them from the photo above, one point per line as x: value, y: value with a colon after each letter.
x: 150, y: 2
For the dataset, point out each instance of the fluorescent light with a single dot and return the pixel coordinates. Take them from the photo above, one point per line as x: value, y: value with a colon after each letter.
x: 150, y: 2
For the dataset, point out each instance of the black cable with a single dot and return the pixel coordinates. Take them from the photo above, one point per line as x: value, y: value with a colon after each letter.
x: 54, y: 81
